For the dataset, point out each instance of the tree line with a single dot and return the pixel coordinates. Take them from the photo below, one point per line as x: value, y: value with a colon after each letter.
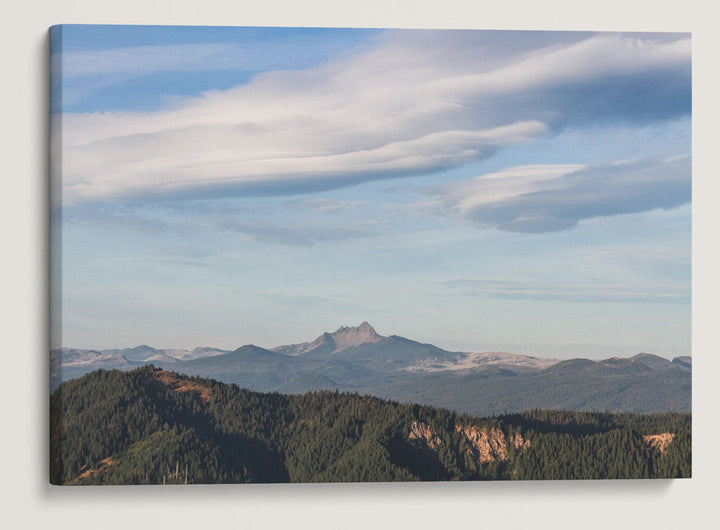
x: 148, y: 426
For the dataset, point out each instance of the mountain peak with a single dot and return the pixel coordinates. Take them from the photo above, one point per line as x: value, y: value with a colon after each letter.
x: 364, y: 327
x: 349, y: 337
x: 341, y: 339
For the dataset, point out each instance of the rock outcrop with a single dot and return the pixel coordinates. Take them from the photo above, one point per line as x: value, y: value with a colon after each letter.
x: 490, y: 445
x: 485, y: 445
x: 519, y: 442
x: 422, y: 431
x: 659, y: 442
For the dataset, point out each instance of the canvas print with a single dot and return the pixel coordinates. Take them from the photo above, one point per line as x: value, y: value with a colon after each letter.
x: 342, y: 255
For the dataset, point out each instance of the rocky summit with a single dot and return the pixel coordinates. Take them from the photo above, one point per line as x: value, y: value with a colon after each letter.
x: 349, y: 337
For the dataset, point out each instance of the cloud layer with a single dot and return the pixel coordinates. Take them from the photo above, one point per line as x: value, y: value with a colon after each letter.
x: 416, y: 103
x: 547, y: 198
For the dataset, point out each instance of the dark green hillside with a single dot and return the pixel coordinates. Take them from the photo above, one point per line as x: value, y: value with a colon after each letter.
x: 306, y: 382
x: 153, y: 426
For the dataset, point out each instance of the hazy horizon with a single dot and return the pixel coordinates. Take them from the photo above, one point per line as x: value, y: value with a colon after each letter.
x: 515, y: 191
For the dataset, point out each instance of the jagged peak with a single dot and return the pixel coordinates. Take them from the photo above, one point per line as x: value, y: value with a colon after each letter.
x: 347, y: 337
x: 363, y: 327
x: 341, y: 339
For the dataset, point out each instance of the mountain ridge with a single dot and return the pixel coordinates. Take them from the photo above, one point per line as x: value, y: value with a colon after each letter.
x: 345, y: 337
x: 358, y: 359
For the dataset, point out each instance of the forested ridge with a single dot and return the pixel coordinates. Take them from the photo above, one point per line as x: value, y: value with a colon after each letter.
x: 149, y: 426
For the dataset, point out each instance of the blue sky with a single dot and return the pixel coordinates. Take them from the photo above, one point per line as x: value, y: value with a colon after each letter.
x: 518, y: 191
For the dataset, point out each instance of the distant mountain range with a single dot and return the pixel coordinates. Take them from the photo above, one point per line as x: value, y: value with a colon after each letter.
x: 358, y: 359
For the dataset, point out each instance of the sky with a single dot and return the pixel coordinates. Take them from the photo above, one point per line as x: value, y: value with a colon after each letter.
x: 479, y: 190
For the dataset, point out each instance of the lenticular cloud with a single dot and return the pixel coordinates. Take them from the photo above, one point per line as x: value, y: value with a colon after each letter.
x: 416, y: 102
x: 548, y: 198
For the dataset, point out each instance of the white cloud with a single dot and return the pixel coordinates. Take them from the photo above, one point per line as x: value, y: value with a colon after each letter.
x: 418, y: 102
x: 546, y: 198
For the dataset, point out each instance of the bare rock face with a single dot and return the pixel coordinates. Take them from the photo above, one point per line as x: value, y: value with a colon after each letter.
x: 519, y: 442
x: 485, y: 446
x: 659, y: 442
x: 422, y: 431
x: 349, y: 337
x: 342, y: 339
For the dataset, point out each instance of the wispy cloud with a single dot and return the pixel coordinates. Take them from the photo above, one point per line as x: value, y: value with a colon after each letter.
x: 416, y: 103
x: 296, y: 223
x: 547, y: 198
x: 615, y: 292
